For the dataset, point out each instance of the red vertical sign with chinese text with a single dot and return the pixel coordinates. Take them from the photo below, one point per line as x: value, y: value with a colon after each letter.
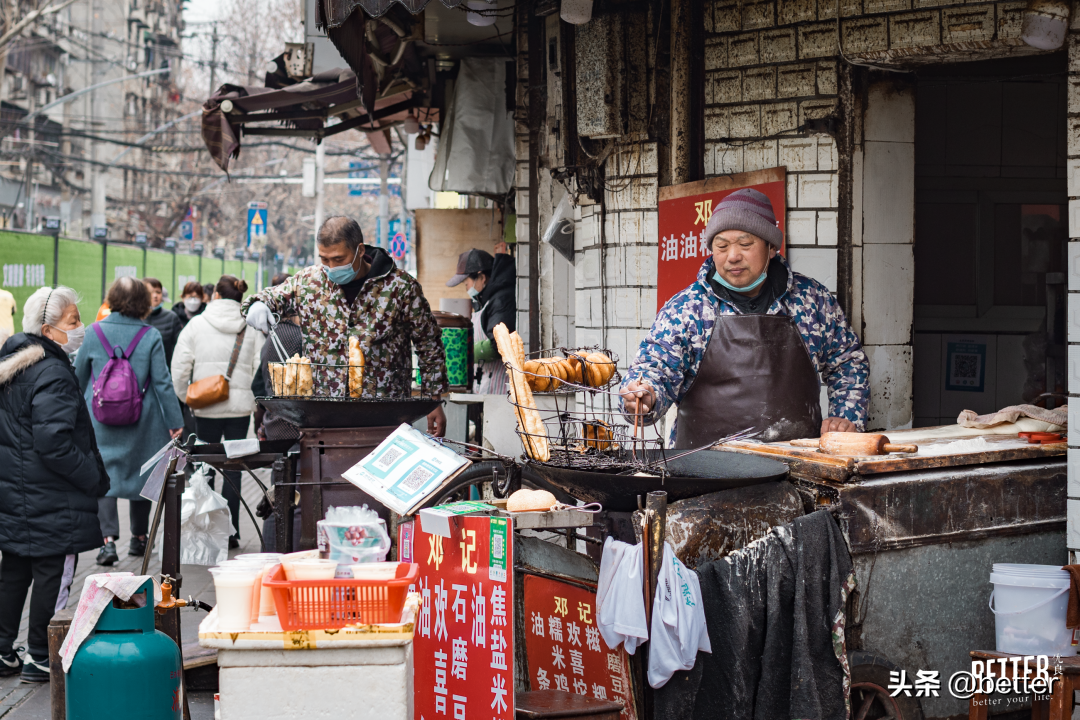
x: 463, y: 642
x: 564, y: 646
x: 684, y: 211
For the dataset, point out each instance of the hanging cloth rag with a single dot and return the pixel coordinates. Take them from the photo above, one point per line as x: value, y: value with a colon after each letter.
x: 775, y: 615
x: 98, y: 591
x: 678, y: 629
x: 620, y: 596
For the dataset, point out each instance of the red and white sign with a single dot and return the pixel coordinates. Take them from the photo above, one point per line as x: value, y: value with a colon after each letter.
x: 564, y: 647
x: 463, y: 642
x: 684, y: 211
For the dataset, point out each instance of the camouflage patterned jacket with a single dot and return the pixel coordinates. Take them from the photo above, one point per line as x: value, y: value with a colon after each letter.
x: 390, y: 316
x: 670, y: 354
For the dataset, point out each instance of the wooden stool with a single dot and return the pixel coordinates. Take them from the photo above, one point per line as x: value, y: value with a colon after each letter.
x: 1058, y: 707
x: 566, y: 706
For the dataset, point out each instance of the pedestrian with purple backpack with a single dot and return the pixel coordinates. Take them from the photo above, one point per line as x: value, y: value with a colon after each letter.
x: 125, y: 380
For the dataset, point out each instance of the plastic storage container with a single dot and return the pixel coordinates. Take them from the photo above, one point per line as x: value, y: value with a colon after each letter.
x: 328, y: 604
x: 1029, y: 604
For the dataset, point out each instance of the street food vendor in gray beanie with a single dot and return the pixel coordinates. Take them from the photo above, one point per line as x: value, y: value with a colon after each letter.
x: 748, y: 210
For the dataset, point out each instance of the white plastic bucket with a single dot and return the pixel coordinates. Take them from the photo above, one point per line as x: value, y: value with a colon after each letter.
x: 1029, y: 604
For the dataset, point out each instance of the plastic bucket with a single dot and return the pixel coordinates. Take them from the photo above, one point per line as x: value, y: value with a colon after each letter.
x: 1029, y: 604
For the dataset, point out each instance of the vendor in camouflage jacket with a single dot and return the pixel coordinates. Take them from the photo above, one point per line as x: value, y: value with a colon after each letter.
x: 743, y: 347
x: 358, y: 291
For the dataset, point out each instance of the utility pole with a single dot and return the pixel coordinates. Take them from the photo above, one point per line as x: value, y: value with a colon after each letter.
x: 97, y: 178
x: 213, y: 58
x: 31, y: 151
x: 320, y: 192
x: 384, y: 202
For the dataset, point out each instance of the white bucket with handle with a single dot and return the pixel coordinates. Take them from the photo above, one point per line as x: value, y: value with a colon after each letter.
x: 1029, y: 604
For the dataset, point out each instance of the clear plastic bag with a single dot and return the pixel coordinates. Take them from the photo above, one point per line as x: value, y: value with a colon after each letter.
x: 353, y: 535
x: 559, y: 232
x: 205, y: 524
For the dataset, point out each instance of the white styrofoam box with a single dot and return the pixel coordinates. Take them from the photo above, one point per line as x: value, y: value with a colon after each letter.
x: 926, y: 374
x: 1074, y: 265
x: 890, y: 386
x: 817, y: 263
x: 826, y: 153
x: 857, y: 198
x: 587, y: 268
x: 1074, y: 369
x: 1074, y: 473
x: 1074, y: 218
x: 888, y: 276
x: 640, y: 265
x: 827, y: 231
x: 729, y: 159
x: 630, y: 226
x: 626, y: 308
x: 1072, y: 508
x: 818, y: 190
x: 801, y: 227
x: 1074, y: 318
x: 650, y: 227
x: 799, y: 154
x: 890, y: 113
x: 1073, y: 175
x: 888, y: 198
x: 648, y: 307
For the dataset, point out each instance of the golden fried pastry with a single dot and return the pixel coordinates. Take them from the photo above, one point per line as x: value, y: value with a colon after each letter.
x: 356, y: 368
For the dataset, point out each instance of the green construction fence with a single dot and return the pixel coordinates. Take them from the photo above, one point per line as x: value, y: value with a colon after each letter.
x: 27, y: 260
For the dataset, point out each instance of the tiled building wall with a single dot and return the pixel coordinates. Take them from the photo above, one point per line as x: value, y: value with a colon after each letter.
x: 773, y: 94
x: 1074, y: 286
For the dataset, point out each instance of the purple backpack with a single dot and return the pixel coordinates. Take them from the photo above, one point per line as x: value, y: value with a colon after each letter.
x: 117, y: 398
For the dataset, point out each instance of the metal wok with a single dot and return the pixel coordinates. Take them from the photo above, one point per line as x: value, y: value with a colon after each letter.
x: 310, y: 412
x: 697, y: 474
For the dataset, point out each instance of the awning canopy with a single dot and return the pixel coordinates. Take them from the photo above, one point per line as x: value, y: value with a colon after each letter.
x: 335, y: 12
x: 319, y: 107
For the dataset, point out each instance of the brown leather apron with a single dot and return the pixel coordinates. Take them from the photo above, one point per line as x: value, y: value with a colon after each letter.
x: 756, y: 373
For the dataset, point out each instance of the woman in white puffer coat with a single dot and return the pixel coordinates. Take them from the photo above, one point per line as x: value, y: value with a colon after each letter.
x: 204, y: 349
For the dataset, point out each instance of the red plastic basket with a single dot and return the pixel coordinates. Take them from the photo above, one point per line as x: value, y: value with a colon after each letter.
x: 328, y: 604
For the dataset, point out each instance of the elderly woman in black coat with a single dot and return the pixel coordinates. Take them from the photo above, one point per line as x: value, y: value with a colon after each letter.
x: 52, y: 475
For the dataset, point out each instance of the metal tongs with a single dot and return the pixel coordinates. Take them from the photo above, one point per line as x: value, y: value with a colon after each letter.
x: 742, y: 434
x: 278, y: 347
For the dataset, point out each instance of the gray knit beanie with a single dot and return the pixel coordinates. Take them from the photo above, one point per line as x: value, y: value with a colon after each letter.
x: 748, y: 210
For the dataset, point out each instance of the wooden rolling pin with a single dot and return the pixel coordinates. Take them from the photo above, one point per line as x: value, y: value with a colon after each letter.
x: 854, y: 444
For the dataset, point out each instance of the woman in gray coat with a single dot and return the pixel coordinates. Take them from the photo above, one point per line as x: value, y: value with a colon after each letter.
x: 124, y: 448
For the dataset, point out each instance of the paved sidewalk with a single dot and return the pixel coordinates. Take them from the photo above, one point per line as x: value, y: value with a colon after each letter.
x: 19, y: 701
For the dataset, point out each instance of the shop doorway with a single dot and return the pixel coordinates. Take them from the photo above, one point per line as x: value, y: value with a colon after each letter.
x: 991, y: 236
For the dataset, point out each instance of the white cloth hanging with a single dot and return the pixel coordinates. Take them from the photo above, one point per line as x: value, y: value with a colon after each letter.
x: 678, y: 621
x: 620, y: 596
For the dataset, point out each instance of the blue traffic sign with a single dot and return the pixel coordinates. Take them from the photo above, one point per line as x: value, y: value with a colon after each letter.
x: 256, y: 220
x: 187, y: 230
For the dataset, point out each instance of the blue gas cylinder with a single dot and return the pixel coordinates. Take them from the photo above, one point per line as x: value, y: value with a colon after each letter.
x: 125, y: 668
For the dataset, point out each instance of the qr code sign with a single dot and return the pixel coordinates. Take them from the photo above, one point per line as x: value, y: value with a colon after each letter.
x: 388, y: 458
x: 416, y: 479
x: 966, y: 366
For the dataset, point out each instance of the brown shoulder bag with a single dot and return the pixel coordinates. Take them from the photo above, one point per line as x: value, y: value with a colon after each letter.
x: 215, y: 388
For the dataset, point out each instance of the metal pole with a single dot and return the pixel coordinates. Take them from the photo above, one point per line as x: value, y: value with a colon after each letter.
x: 104, y: 265
x: 320, y: 192
x: 537, y: 112
x: 56, y: 259
x: 173, y: 281
x: 656, y: 514
x: 384, y: 203
x: 213, y: 58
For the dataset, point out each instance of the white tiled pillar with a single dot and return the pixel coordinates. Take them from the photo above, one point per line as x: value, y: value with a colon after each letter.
x: 1073, y: 309
x: 884, y: 261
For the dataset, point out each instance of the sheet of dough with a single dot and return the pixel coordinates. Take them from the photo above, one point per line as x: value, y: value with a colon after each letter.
x: 916, y: 435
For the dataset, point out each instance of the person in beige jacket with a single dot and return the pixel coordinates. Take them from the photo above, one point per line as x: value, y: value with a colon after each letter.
x: 203, y: 349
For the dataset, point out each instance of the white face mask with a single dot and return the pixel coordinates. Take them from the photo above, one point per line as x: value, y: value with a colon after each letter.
x: 192, y: 304
x: 74, y: 339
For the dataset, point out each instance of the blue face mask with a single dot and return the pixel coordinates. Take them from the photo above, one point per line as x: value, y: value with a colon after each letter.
x: 473, y: 292
x: 751, y: 286
x: 342, y: 274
